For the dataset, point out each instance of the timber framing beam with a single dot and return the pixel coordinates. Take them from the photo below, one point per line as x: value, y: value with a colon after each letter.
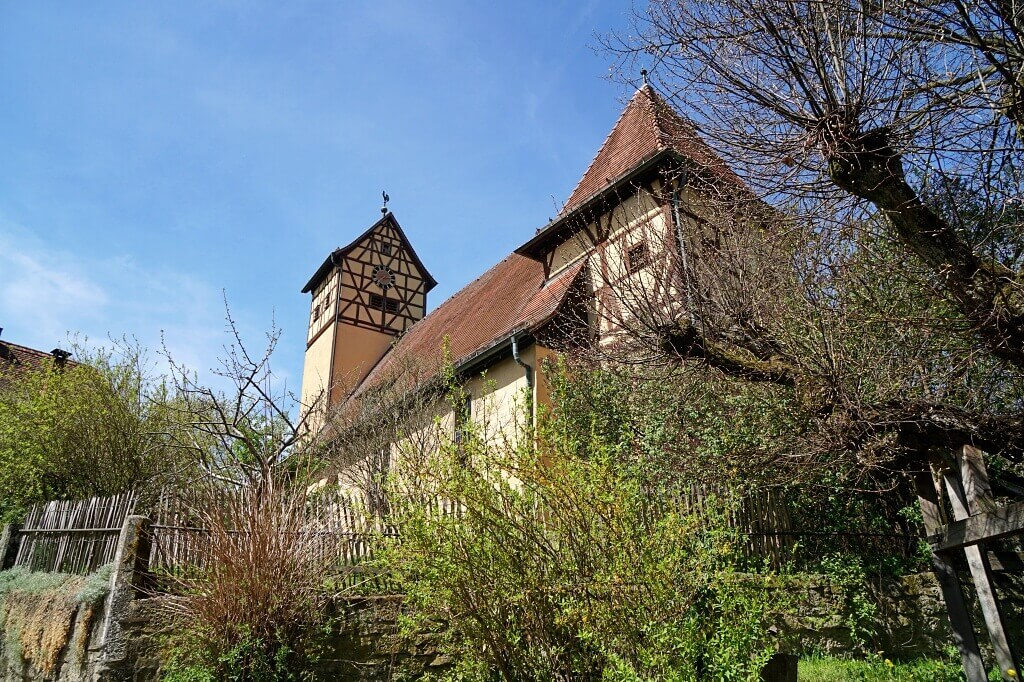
x: 993, y: 525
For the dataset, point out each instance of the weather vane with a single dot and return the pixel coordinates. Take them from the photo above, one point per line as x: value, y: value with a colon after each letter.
x: 384, y: 209
x: 643, y: 75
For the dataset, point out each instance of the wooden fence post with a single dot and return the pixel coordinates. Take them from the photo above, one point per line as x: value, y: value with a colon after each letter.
x: 9, y: 541
x: 952, y: 594
x: 971, y: 494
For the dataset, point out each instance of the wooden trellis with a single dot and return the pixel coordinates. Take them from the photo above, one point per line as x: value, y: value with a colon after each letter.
x: 962, y: 480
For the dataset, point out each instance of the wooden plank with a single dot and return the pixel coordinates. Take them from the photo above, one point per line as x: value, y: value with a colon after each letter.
x: 959, y: 618
x: 1006, y: 562
x: 999, y: 523
x: 974, y: 474
x: 980, y: 572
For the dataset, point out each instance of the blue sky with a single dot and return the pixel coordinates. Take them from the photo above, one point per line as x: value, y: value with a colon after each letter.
x: 157, y: 155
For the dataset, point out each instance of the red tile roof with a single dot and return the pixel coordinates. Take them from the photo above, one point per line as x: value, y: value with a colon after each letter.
x: 16, y: 361
x: 647, y: 126
x: 510, y: 297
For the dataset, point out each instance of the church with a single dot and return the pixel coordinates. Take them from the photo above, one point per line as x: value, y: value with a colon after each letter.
x: 619, y: 229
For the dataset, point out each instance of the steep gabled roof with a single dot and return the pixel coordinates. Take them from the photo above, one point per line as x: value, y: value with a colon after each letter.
x: 510, y: 298
x: 342, y: 251
x: 647, y: 126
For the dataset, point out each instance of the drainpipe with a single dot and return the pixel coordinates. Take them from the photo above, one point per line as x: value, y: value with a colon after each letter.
x: 527, y: 372
x: 680, y: 239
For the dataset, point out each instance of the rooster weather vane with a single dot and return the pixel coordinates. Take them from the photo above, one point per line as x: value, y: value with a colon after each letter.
x: 384, y: 209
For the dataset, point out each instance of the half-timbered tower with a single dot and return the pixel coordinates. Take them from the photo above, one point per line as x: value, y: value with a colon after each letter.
x: 363, y: 296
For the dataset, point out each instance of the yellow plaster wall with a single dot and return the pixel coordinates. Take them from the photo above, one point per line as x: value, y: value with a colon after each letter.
x: 568, y: 251
x: 316, y: 369
x: 500, y: 398
x: 356, y: 351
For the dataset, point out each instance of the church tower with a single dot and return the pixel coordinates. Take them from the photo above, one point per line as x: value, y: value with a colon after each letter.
x: 362, y: 297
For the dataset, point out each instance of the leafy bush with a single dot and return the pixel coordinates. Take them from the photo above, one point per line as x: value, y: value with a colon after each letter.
x: 569, y: 561
x: 97, y: 427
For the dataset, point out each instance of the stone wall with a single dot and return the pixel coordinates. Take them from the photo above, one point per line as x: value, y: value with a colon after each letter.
x: 910, y: 619
x: 49, y: 633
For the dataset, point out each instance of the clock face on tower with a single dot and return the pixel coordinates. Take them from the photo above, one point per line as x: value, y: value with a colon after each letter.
x: 383, y: 277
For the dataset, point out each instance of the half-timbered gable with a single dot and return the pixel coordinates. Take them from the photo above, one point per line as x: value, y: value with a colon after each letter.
x: 363, y: 296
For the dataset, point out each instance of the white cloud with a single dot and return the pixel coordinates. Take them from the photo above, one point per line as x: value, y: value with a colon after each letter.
x: 47, y: 294
x: 40, y: 288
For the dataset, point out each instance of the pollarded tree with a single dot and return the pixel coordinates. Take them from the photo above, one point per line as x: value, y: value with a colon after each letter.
x: 846, y: 107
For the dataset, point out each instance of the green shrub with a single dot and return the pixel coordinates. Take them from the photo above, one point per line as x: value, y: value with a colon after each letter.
x: 249, y: 659
x: 570, y: 561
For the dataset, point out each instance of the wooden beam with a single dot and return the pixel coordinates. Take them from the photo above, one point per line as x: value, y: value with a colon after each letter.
x: 972, y: 472
x: 975, y: 479
x: 928, y: 493
x: 994, y: 525
x: 1006, y: 562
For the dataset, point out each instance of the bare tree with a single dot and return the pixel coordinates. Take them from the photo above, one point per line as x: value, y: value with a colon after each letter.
x: 248, y: 433
x: 846, y: 109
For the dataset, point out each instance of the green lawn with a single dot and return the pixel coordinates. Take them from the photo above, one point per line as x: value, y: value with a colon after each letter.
x: 827, y: 669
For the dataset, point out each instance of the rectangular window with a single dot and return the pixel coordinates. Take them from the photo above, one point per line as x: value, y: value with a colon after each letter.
x: 384, y: 303
x: 316, y: 312
x: 385, y: 249
x: 637, y: 257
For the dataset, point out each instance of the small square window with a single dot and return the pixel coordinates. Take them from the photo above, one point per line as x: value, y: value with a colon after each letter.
x: 637, y: 257
x: 385, y: 249
x: 316, y: 312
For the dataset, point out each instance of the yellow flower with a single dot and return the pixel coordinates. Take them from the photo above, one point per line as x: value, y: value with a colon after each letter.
x: 1011, y: 672
x: 888, y: 663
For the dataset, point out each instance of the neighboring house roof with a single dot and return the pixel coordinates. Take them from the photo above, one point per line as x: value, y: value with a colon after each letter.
x: 648, y: 125
x: 16, y: 361
x: 510, y: 298
x: 341, y: 252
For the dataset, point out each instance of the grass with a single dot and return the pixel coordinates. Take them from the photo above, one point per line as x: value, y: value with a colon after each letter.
x: 878, y: 669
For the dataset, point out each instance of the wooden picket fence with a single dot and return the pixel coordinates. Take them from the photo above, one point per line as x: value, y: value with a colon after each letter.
x: 73, y: 536
x: 80, y: 536
x: 334, y: 526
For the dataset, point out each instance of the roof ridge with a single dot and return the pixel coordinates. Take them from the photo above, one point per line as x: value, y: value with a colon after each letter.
x: 654, y: 103
x: 11, y: 344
